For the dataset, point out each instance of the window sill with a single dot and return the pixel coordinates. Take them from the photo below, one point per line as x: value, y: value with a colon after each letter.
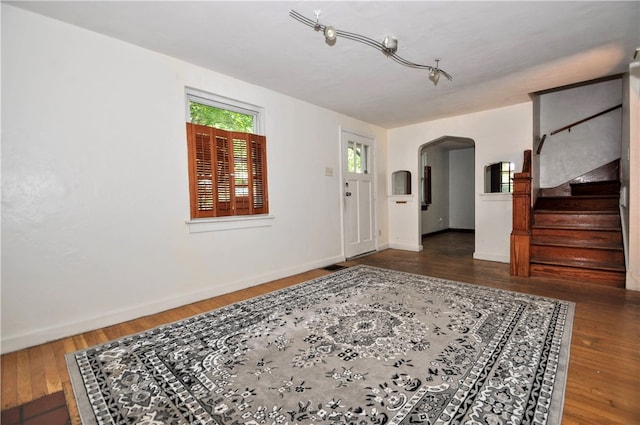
x: 220, y: 224
x: 498, y: 196
x: 402, y: 197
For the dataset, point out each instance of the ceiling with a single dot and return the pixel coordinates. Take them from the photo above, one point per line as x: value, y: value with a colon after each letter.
x: 497, y: 52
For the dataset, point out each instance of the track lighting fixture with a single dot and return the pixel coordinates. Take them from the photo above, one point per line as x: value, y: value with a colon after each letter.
x: 388, y: 46
x: 434, y: 74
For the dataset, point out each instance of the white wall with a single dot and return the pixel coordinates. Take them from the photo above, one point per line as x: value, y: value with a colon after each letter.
x: 461, y: 189
x: 501, y: 134
x: 570, y: 154
x: 630, y: 176
x: 95, y: 190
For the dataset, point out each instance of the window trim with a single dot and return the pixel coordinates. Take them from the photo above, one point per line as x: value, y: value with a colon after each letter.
x: 221, y: 102
x: 219, y: 224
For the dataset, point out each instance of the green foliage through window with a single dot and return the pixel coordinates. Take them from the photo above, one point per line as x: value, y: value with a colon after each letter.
x: 357, y: 157
x: 220, y: 118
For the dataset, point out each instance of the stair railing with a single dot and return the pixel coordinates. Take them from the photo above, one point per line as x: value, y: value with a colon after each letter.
x: 521, y: 229
x: 570, y: 126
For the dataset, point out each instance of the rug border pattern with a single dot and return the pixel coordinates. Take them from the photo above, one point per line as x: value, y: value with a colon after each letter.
x: 558, y: 374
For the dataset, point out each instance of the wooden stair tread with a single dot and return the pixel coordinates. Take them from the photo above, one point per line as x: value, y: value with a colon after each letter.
x: 579, y: 264
x: 576, y: 212
x: 579, y: 243
x: 577, y: 226
x: 572, y: 226
x: 563, y: 197
x: 578, y: 209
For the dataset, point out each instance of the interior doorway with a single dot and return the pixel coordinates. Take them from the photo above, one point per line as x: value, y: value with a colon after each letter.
x: 447, y: 165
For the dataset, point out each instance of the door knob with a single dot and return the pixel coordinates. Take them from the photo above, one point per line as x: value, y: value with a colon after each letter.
x: 348, y: 194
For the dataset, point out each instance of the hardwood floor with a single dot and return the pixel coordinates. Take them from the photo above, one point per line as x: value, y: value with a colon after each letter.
x: 603, y: 385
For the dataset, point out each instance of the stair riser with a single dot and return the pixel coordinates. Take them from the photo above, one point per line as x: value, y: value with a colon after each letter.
x: 599, y: 277
x: 581, y: 220
x: 577, y: 204
x: 560, y: 253
x: 584, y: 237
x: 596, y: 188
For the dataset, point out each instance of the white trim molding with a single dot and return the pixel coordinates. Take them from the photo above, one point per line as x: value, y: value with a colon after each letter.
x: 201, y: 225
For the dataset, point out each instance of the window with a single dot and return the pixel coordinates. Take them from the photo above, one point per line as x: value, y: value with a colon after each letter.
x: 227, y: 164
x: 499, y: 177
x: 227, y: 114
x: 357, y: 158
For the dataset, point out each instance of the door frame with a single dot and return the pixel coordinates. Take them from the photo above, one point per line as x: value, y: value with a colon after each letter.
x: 343, y: 132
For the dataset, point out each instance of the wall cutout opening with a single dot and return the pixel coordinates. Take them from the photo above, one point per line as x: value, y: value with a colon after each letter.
x: 401, y: 182
x: 498, y: 177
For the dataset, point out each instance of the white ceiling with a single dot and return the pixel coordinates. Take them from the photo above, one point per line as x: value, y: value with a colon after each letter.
x: 497, y: 52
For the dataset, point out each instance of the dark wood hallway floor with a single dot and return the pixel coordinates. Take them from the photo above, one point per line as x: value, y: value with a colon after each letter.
x: 603, y: 385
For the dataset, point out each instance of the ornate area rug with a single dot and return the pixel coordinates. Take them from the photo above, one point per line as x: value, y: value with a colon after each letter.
x: 362, y: 346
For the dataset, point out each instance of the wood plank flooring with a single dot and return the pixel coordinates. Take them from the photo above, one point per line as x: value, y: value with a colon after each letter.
x: 603, y: 386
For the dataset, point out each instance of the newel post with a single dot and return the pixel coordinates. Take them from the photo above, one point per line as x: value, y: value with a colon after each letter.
x: 521, y: 230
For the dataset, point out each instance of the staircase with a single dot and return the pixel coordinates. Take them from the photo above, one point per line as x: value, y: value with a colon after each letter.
x: 578, y: 235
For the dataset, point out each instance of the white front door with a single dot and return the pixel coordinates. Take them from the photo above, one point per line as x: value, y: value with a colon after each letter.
x: 358, y: 194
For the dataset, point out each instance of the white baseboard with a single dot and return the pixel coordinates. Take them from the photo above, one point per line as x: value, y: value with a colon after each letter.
x: 491, y: 257
x: 405, y: 247
x: 632, y: 282
x: 43, y: 335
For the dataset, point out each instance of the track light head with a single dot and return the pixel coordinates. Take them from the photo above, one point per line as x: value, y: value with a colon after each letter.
x: 390, y: 44
x: 330, y: 33
x: 434, y: 74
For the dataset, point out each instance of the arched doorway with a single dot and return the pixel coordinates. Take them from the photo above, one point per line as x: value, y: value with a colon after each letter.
x: 447, y: 167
